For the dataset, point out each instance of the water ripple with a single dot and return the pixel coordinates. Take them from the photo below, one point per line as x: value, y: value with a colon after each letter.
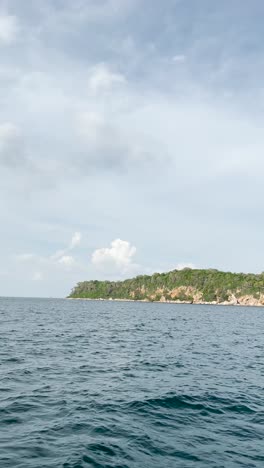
x: 128, y: 385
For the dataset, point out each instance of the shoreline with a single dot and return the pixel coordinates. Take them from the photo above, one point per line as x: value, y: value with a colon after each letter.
x: 146, y: 301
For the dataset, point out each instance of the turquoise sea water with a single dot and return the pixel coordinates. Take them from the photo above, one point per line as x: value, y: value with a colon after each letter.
x: 107, y: 384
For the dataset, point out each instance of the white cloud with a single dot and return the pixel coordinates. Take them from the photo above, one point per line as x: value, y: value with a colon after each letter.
x: 8, y: 28
x: 118, y: 257
x: 60, y: 258
x: 102, y: 79
x: 76, y: 240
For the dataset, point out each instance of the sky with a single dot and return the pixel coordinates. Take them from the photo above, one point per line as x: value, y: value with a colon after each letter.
x: 131, y: 140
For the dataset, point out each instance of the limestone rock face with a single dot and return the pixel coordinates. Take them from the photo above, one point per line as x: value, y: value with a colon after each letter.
x: 251, y: 301
x: 233, y: 300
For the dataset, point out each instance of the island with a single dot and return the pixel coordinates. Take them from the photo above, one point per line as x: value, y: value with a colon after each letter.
x: 193, y: 286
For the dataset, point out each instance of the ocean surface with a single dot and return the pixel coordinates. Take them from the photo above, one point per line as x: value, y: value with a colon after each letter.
x: 108, y: 384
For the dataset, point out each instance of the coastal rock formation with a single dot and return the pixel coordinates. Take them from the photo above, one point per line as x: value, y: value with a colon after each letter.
x: 180, y: 286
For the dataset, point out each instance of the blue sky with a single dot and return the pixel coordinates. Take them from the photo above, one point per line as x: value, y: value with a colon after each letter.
x: 131, y: 139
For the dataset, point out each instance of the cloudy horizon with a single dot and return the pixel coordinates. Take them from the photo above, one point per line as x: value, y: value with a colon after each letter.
x: 130, y: 140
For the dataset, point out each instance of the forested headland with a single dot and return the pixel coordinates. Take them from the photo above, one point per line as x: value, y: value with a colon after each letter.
x: 184, y: 286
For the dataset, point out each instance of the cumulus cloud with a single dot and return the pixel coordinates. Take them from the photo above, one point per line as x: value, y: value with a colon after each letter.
x: 8, y: 29
x: 118, y: 257
x: 102, y: 79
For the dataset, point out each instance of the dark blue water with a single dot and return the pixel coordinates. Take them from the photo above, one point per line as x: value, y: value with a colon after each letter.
x: 104, y: 384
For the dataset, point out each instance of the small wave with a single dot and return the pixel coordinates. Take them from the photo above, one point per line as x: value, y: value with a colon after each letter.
x: 13, y: 360
x: 172, y: 402
x: 121, y: 399
x: 205, y: 404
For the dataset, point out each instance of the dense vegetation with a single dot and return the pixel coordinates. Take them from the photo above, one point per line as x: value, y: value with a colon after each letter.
x: 178, y: 285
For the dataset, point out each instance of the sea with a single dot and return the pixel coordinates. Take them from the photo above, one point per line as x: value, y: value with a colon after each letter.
x: 130, y: 385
